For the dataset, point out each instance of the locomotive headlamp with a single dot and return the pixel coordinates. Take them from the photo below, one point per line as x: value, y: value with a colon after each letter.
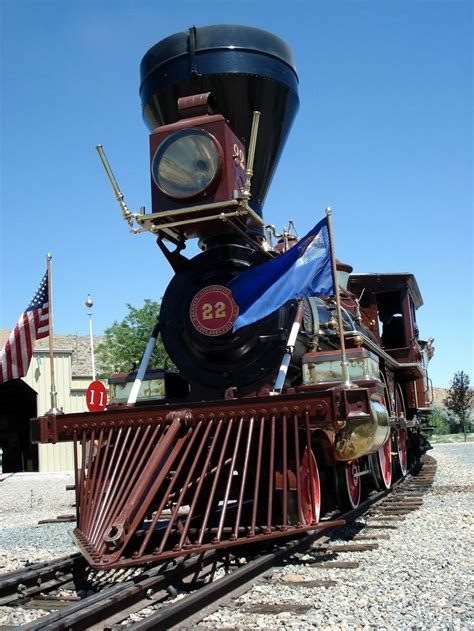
x: 187, y: 164
x: 198, y: 173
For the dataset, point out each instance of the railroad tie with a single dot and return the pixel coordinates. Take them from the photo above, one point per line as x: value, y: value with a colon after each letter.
x: 382, y: 517
x: 315, y: 582
x: 348, y: 547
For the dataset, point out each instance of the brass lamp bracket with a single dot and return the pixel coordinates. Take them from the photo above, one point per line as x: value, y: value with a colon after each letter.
x: 126, y: 214
x: 161, y: 221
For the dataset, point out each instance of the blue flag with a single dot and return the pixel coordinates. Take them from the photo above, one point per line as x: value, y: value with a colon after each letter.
x: 304, y: 270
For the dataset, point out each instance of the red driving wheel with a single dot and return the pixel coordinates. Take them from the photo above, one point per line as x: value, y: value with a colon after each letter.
x: 309, y: 475
x: 402, y: 450
x: 384, y: 457
x: 349, y: 485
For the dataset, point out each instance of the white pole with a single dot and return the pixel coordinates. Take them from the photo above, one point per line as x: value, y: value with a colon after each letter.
x: 132, y: 397
x: 89, y: 305
x: 53, y: 391
x: 290, y: 347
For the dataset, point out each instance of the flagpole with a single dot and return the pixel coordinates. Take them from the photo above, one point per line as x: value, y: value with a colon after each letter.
x: 346, y: 382
x: 89, y: 305
x: 53, y: 393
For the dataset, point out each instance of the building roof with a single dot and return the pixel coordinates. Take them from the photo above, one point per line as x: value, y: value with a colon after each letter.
x: 77, y: 345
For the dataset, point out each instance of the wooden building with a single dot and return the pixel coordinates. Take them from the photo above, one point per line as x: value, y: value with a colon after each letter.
x: 22, y: 399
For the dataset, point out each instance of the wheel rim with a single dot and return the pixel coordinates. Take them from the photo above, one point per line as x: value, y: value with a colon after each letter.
x: 310, y: 516
x: 402, y: 449
x: 385, y: 463
x: 353, y: 485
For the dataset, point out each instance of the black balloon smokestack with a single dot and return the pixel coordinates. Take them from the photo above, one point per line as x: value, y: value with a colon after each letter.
x: 245, y: 68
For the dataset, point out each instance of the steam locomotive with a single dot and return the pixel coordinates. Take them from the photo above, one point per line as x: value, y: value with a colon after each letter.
x: 263, y: 431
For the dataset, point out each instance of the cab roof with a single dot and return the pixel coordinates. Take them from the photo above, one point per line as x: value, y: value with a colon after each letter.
x: 382, y: 283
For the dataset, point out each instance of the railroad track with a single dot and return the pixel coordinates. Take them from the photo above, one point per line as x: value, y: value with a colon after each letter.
x: 83, y: 599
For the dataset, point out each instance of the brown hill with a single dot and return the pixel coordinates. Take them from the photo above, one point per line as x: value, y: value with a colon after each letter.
x: 440, y: 394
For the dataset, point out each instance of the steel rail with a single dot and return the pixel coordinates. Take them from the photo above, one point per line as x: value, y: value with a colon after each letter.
x: 16, y: 585
x: 184, y: 610
x: 113, y: 602
x: 103, y: 605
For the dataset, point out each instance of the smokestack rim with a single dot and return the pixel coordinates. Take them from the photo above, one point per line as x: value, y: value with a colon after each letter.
x: 246, y: 39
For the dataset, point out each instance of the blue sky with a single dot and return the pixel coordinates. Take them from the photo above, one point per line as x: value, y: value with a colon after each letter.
x: 383, y: 136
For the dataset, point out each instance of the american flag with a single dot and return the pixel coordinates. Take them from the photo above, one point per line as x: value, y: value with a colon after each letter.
x: 32, y: 325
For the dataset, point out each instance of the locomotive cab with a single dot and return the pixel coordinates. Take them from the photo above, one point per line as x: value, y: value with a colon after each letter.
x: 391, y: 300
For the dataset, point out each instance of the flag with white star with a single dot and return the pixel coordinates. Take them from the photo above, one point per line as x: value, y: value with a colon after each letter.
x: 304, y: 270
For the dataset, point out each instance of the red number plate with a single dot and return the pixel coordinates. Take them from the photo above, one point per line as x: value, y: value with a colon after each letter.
x: 213, y: 310
x: 96, y: 396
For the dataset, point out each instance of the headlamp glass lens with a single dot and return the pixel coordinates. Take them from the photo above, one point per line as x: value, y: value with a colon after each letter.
x: 186, y: 163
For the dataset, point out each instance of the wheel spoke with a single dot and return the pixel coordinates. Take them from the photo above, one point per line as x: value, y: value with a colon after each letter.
x: 402, y: 450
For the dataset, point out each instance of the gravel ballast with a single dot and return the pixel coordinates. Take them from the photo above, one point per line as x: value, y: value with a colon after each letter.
x: 25, y: 499
x: 418, y: 579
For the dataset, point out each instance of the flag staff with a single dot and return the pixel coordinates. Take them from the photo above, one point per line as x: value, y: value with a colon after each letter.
x: 346, y: 382
x: 54, y: 396
x: 89, y: 305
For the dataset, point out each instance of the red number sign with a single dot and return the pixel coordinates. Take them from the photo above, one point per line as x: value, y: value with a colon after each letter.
x: 96, y: 396
x: 213, y: 310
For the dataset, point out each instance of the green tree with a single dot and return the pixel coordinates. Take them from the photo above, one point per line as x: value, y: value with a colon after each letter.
x: 125, y: 342
x: 458, y: 400
x: 439, y: 418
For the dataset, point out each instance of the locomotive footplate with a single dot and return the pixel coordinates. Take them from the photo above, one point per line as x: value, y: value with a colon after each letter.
x: 157, y: 482
x: 324, y: 407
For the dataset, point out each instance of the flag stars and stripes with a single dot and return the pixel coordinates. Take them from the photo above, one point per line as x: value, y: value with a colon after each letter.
x: 32, y: 325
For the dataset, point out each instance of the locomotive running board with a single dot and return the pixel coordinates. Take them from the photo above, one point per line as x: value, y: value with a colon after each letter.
x: 156, y: 483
